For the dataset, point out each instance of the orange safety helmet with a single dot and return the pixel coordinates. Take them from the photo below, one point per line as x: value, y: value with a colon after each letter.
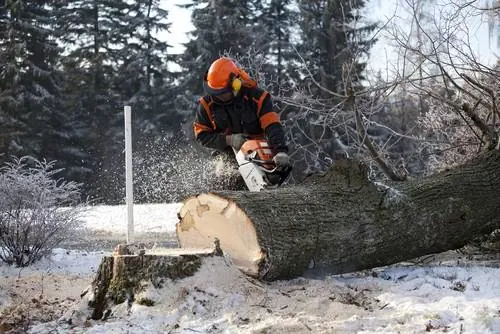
x: 219, y: 73
x: 224, y: 76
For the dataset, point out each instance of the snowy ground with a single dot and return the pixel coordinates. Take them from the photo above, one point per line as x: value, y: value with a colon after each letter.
x: 448, y: 294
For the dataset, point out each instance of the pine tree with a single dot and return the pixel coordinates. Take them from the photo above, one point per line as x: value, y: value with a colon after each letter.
x: 333, y: 38
x: 277, y: 18
x: 220, y: 27
x: 143, y: 77
x: 115, y: 58
x: 31, y: 119
x: 96, y: 33
x: 147, y: 84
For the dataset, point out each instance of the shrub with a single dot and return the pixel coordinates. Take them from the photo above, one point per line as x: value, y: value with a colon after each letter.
x: 37, y: 211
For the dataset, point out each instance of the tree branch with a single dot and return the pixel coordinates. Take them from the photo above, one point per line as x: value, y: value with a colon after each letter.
x: 365, y: 140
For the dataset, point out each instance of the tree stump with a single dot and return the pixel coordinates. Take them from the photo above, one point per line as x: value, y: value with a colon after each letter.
x: 341, y: 222
x: 121, y: 276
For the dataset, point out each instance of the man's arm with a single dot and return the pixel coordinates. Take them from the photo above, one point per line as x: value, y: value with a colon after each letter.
x: 270, y: 123
x: 204, y: 131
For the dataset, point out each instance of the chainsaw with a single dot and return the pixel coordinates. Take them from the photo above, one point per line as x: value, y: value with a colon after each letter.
x: 256, y: 166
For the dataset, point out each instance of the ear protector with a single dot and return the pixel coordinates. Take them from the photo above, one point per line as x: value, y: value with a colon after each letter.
x: 235, y: 83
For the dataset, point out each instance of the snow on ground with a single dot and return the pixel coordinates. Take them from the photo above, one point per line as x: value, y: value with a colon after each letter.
x: 147, y: 218
x: 42, y: 292
x: 455, y: 296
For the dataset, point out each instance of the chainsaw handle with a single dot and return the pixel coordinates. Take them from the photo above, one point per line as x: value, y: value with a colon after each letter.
x: 262, y: 162
x: 275, y: 169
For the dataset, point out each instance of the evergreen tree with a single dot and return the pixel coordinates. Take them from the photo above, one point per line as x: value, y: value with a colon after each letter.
x: 220, y: 26
x: 115, y: 58
x: 149, y: 87
x: 143, y: 77
x: 97, y: 33
x: 333, y: 37
x: 31, y: 119
x: 277, y: 18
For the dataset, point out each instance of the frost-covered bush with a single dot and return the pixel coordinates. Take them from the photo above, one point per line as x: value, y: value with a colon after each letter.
x: 37, y: 210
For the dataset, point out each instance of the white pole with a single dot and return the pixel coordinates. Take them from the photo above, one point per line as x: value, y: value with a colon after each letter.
x: 129, y: 185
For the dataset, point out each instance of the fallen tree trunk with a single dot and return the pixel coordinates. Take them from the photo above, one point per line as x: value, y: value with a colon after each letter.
x: 341, y: 222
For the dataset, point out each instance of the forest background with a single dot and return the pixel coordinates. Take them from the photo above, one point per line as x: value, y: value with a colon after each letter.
x: 67, y: 68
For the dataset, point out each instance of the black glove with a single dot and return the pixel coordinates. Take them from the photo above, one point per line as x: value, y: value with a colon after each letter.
x: 282, y: 160
x: 236, y: 141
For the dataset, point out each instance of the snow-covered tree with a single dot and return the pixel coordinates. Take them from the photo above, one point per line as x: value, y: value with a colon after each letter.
x: 278, y: 20
x: 31, y: 119
x: 334, y: 42
x: 220, y: 26
x: 143, y: 77
x: 93, y: 38
x: 105, y: 39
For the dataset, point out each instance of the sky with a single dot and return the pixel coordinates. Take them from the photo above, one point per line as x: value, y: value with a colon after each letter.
x: 376, y: 10
x: 448, y: 293
x: 396, y: 12
x: 180, y: 19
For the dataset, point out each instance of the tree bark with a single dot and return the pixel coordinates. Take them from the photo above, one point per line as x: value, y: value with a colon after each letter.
x: 341, y: 222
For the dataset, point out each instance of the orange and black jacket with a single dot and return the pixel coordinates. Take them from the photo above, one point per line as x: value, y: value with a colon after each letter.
x: 250, y: 113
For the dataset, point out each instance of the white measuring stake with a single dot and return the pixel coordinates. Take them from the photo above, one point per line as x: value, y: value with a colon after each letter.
x: 129, y: 185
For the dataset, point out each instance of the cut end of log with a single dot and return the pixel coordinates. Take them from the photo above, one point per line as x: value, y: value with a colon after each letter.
x: 208, y: 217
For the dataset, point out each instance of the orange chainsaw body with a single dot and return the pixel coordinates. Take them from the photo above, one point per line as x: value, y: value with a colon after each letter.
x: 256, y: 166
